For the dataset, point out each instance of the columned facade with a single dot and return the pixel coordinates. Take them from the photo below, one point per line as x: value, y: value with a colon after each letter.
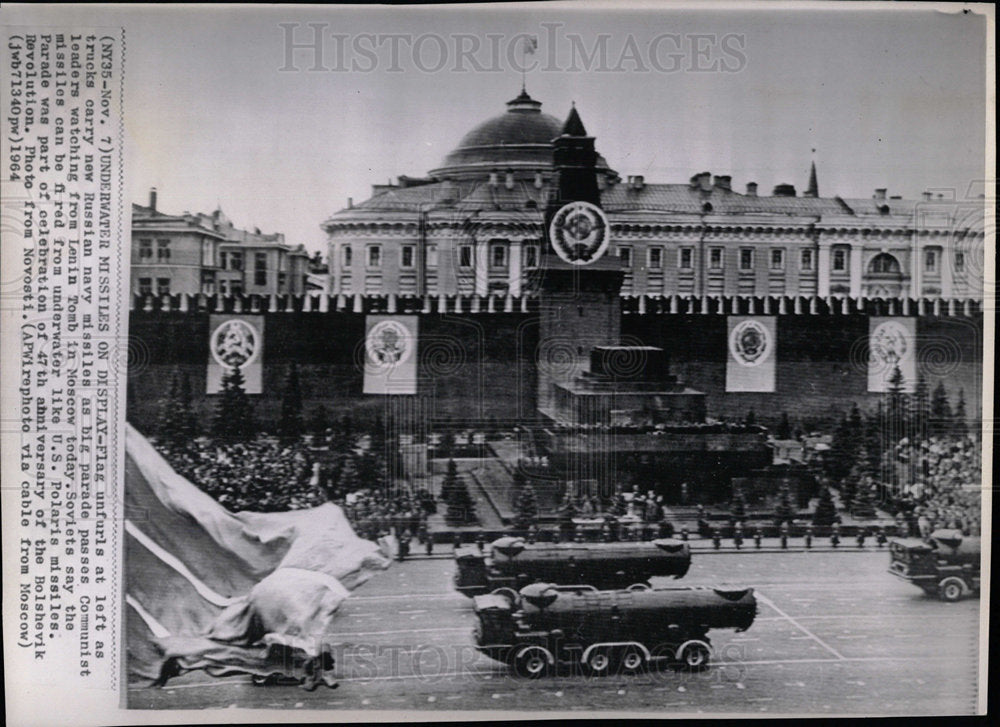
x: 474, y: 227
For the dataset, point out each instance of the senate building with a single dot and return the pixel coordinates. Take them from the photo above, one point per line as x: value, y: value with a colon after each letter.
x: 472, y: 226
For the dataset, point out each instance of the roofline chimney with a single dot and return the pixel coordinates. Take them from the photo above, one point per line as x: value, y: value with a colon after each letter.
x: 751, y: 189
x: 880, y: 193
x: 152, y: 198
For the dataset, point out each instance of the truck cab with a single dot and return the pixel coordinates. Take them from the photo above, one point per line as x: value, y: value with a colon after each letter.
x: 946, y: 564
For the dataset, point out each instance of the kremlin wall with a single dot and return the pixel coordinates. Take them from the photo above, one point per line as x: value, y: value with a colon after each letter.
x: 476, y: 359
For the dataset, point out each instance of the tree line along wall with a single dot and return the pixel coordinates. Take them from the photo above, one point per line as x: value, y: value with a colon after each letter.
x: 480, y: 367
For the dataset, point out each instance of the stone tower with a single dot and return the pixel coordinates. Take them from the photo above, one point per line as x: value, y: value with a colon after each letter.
x: 580, y: 274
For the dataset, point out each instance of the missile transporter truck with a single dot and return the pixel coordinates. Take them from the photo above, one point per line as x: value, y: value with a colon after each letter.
x: 513, y: 563
x: 545, y: 627
x: 946, y: 564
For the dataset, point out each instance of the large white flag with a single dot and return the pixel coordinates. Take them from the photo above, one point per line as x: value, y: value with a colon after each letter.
x: 391, y: 355
x: 750, y: 361
x: 891, y: 345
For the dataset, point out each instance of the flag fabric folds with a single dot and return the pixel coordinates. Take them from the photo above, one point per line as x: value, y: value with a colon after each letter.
x: 230, y: 592
x: 751, y: 353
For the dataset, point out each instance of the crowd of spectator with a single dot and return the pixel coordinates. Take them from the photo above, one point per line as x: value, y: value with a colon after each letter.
x: 259, y: 475
x: 265, y: 475
x: 940, y: 484
x: 373, y: 513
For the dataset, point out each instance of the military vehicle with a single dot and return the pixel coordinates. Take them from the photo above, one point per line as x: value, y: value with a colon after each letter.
x: 544, y: 627
x: 946, y: 564
x: 512, y: 563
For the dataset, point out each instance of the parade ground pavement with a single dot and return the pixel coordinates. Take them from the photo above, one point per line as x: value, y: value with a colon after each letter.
x: 835, y: 634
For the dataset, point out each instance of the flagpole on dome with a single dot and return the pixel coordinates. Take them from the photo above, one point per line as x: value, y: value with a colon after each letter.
x: 528, y: 48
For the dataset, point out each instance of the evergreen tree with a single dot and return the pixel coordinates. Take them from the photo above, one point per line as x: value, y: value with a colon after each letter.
x: 738, y: 507
x: 347, y: 428
x: 870, y: 456
x: 863, y: 502
x: 898, y: 406
x: 783, y: 511
x: 342, y: 436
x: 941, y: 416
x: 840, y: 458
x: 855, y: 431
x: 371, y: 471
x: 920, y: 413
x: 784, y: 430
x: 188, y: 424
x: 460, y: 507
x: 961, y: 425
x: 318, y: 421
x: 168, y: 424
x: 525, y: 507
x: 234, y: 418
x: 826, y: 511
x: 849, y: 485
x: 450, y: 478
x: 377, y: 436
x: 290, y: 424
x: 751, y: 418
x: 446, y: 445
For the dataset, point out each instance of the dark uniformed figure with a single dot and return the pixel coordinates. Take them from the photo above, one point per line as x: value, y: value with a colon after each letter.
x: 404, y: 545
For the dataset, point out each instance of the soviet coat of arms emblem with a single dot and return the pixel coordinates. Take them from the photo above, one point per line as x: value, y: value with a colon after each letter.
x: 749, y: 343
x: 579, y: 233
x: 388, y: 343
x: 888, y: 343
x: 234, y: 344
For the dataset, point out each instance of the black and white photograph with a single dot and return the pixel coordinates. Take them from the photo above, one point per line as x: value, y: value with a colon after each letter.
x: 503, y: 360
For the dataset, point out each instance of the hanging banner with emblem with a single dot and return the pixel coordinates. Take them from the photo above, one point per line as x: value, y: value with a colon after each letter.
x: 390, y: 355
x: 752, y: 351
x: 235, y: 342
x: 892, y: 345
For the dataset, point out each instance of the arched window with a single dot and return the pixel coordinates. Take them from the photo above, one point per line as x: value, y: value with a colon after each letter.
x: 884, y: 263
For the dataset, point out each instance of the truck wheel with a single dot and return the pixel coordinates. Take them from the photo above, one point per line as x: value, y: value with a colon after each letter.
x: 531, y: 663
x: 950, y: 590
x: 695, y: 656
x: 599, y: 662
x: 632, y: 660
